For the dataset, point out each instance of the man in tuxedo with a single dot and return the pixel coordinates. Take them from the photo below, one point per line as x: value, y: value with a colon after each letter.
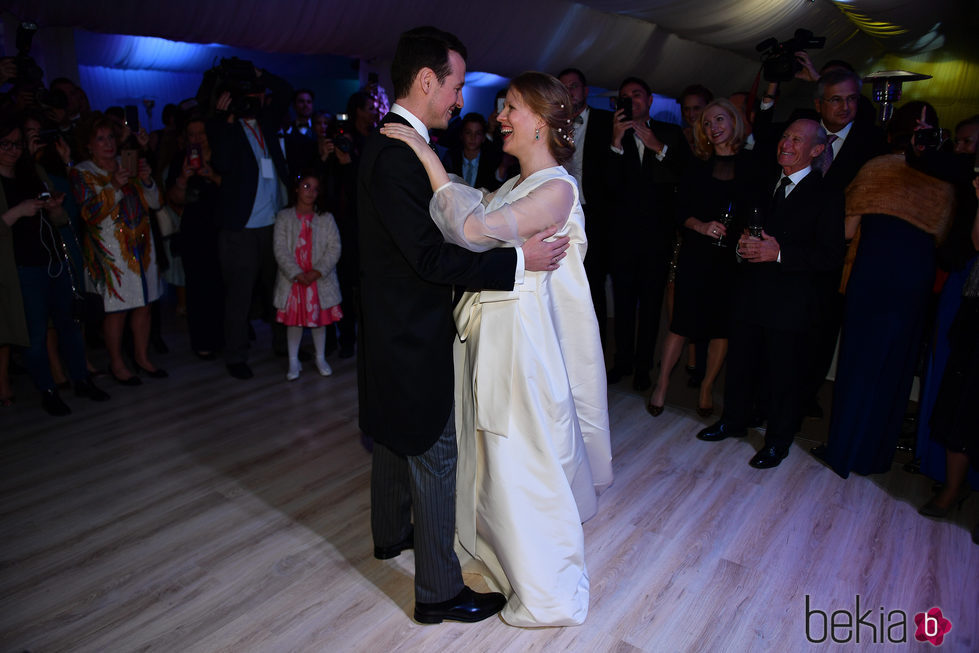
x: 776, y: 298
x: 254, y: 179
x: 302, y: 105
x: 645, y: 162
x: 405, y: 369
x: 592, y: 135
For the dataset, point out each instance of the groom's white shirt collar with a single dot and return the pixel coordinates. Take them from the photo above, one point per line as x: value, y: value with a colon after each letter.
x: 412, y: 120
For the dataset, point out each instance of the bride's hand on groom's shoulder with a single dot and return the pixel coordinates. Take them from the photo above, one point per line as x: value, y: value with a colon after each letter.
x: 406, y: 134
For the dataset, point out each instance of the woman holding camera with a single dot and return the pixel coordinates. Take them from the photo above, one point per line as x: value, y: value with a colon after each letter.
x: 29, y: 217
x: 192, y: 190
x: 115, y: 201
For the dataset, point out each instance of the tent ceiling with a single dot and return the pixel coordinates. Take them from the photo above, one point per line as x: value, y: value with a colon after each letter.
x: 669, y: 42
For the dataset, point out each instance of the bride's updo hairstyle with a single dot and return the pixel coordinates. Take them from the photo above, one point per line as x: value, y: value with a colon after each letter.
x: 548, y: 98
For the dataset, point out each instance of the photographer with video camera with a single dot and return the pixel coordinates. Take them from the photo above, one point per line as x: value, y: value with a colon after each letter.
x: 339, y: 155
x: 242, y: 133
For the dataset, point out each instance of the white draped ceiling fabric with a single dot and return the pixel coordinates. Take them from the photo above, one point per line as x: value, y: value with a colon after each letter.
x: 671, y: 43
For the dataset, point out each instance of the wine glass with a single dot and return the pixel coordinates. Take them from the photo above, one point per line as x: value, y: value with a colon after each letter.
x: 755, y: 223
x: 727, y: 217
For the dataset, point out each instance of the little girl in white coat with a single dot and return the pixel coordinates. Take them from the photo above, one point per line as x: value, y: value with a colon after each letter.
x: 307, y: 293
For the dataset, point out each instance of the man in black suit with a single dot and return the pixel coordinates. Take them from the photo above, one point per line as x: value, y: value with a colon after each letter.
x: 471, y: 159
x: 852, y: 141
x: 646, y: 160
x: 302, y: 103
x: 405, y: 367
x: 776, y: 299
x: 592, y: 135
x: 254, y: 179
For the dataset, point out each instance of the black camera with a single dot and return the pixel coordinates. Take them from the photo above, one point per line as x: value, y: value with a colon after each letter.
x: 28, y: 72
x: 340, y: 134
x: 237, y: 77
x: 778, y: 59
x: 623, y: 103
x: 929, y: 139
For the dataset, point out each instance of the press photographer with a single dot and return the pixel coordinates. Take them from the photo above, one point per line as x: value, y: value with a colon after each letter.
x: 242, y: 132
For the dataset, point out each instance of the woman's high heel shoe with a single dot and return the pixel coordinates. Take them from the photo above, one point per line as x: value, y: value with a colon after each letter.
x: 654, y: 410
x: 932, y: 509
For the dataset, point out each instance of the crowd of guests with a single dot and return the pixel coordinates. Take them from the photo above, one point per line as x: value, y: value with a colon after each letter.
x: 243, y: 214
x: 770, y: 242
x: 774, y: 241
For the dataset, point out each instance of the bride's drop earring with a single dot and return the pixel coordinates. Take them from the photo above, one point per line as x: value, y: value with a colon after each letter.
x: 537, y: 134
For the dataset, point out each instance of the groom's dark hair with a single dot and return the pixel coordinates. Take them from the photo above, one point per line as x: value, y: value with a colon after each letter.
x: 422, y: 47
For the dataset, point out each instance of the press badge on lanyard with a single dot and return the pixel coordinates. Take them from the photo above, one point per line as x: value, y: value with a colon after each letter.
x: 268, y: 170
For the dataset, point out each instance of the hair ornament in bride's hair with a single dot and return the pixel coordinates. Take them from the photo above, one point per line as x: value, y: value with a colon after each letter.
x: 566, y: 135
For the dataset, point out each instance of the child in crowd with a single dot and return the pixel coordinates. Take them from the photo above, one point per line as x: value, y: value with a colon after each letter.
x: 307, y: 293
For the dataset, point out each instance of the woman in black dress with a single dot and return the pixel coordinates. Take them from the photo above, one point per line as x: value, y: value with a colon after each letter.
x: 192, y: 189
x: 713, y: 192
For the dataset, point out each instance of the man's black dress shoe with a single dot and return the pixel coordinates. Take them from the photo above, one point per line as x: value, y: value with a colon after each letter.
x: 768, y: 457
x: 88, y: 389
x: 466, y: 606
x: 347, y: 352
x: 53, y: 405
x: 240, y: 370
x: 641, y: 381
x: 388, y: 552
x: 719, y: 431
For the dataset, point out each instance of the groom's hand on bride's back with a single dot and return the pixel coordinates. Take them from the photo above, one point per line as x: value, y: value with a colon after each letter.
x: 541, y: 256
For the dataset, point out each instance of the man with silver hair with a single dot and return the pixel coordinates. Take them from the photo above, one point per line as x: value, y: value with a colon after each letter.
x: 776, y: 298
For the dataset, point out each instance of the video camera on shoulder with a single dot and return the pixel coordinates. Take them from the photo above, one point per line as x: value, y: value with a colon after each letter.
x: 778, y: 59
x: 28, y: 72
x: 237, y: 77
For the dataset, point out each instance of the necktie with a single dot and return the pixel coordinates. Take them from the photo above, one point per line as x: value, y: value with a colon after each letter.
x: 830, y: 139
x: 578, y: 120
x: 469, y: 171
x: 432, y: 145
x: 779, y: 196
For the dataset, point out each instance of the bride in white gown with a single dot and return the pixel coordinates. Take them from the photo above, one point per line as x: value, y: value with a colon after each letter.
x: 531, y: 402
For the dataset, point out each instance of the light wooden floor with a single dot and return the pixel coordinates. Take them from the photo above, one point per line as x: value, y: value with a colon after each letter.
x: 200, y: 513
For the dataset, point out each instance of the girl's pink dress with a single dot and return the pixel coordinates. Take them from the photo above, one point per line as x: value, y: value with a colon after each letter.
x: 303, y: 306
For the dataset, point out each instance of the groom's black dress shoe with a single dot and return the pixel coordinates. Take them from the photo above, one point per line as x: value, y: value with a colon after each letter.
x: 768, y: 457
x: 719, y: 431
x: 466, y: 606
x: 387, y: 552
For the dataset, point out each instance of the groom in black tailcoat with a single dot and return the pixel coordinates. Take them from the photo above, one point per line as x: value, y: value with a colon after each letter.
x: 405, y: 369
